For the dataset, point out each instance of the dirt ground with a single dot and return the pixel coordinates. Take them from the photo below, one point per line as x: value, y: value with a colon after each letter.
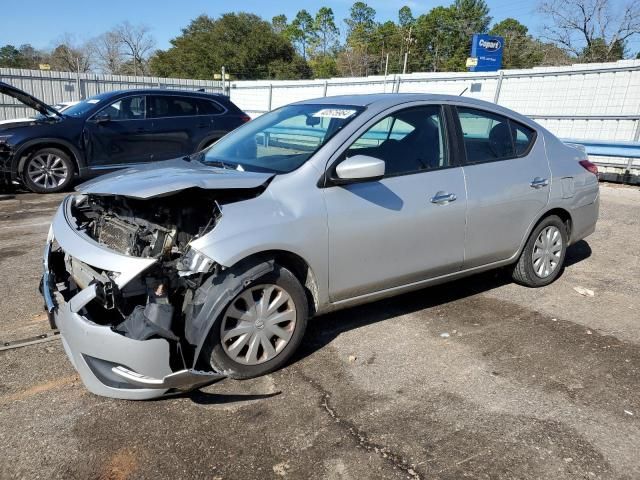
x: 480, y: 378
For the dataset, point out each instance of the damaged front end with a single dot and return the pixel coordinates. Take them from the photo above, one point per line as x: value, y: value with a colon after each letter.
x: 120, y: 281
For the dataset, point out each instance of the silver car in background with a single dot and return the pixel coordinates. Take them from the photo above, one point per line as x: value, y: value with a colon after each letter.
x: 169, y: 276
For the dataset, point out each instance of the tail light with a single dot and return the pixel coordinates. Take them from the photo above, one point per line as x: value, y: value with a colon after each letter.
x: 245, y: 118
x: 587, y: 165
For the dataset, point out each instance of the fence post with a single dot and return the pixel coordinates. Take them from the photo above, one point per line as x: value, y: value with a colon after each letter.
x: 79, y: 95
x: 326, y: 86
x: 398, y: 84
x: 636, y: 137
x: 496, y: 97
x: 270, y: 96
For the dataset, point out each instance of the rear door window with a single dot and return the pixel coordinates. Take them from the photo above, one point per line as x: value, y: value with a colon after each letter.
x: 489, y: 137
x: 172, y: 106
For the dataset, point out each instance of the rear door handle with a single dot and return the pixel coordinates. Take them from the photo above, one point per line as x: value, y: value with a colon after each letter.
x: 539, y: 182
x: 442, y: 198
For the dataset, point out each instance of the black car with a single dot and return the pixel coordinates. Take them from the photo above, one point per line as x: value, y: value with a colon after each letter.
x: 109, y: 131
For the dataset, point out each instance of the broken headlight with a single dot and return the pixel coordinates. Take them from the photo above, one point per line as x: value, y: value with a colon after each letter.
x: 193, y: 262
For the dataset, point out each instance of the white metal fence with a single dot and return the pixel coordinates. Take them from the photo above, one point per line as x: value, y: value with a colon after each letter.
x: 54, y: 87
x: 583, y: 101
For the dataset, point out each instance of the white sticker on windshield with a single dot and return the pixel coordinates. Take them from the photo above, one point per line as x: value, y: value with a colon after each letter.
x: 334, y: 113
x: 93, y: 100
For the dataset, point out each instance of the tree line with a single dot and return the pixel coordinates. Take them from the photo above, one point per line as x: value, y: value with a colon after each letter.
x: 316, y: 45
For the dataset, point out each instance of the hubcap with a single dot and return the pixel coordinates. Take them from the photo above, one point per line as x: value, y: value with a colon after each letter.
x: 47, y: 170
x: 258, y: 324
x: 547, y: 251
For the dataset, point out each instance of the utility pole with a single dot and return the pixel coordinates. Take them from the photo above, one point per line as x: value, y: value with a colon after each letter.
x: 406, y: 54
x: 386, y: 69
x: 224, y: 83
x: 79, y: 94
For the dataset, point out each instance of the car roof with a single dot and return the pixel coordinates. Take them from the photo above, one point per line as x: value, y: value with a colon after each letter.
x: 158, y: 91
x: 381, y: 101
x: 368, y: 99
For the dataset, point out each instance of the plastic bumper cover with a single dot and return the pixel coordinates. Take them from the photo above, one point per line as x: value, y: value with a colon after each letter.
x: 109, y: 364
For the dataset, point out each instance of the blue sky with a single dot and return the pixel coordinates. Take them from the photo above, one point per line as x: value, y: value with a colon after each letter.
x: 49, y: 19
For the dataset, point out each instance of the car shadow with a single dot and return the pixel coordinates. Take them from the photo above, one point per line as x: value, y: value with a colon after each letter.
x: 576, y: 253
x: 325, y: 328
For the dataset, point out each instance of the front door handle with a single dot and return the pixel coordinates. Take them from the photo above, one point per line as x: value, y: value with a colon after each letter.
x: 539, y: 182
x: 442, y: 198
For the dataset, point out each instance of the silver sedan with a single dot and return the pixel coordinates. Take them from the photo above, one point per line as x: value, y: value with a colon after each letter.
x: 170, y: 275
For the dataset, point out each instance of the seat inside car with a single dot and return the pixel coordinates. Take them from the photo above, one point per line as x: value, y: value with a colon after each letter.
x: 415, y: 151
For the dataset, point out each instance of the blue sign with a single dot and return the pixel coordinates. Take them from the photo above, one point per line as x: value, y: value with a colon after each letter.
x: 486, y: 53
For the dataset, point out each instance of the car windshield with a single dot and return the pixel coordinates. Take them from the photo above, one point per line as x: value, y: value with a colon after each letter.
x: 282, y: 140
x: 81, y: 108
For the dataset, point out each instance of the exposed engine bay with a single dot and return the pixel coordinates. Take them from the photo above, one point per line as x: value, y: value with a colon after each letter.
x: 141, y: 228
x: 162, y: 302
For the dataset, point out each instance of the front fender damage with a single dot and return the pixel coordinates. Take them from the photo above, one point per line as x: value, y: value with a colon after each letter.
x: 213, y: 296
x: 164, y: 310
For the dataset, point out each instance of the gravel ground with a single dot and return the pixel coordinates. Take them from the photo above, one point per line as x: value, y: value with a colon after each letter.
x: 527, y: 384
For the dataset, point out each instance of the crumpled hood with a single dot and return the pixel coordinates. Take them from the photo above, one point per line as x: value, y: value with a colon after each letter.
x: 164, y: 178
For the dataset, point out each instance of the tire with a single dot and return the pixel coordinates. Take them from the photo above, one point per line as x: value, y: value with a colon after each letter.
x: 236, y: 362
x: 48, y: 170
x: 542, y: 259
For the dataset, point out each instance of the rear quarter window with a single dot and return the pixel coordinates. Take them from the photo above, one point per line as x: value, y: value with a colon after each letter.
x: 523, y: 137
x: 209, y: 107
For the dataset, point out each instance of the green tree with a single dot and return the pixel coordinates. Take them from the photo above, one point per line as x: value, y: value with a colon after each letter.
x: 302, y: 32
x: 472, y: 17
x: 405, y: 18
x: 324, y: 66
x: 360, y: 24
x: 327, y: 31
x: 242, y: 42
x: 437, y: 40
x: 11, y: 57
x: 407, y: 39
x: 356, y: 59
x: 31, y: 58
x: 444, y: 34
x: 388, y: 39
x: 520, y: 49
x: 280, y: 24
x: 599, y: 51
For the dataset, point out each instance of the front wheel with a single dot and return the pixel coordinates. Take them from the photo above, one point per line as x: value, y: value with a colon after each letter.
x: 48, y: 170
x: 260, y: 328
x: 542, y: 258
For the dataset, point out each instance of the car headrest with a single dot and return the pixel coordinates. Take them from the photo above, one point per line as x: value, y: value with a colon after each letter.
x: 500, y: 140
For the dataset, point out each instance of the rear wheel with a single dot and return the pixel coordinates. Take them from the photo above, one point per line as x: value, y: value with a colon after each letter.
x: 48, y: 170
x: 260, y: 328
x: 542, y: 258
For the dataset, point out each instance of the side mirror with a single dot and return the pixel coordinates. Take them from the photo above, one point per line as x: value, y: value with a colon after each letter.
x: 102, y: 118
x: 359, y: 168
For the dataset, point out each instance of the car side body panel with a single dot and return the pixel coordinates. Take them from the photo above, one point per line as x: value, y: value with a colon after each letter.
x: 289, y: 216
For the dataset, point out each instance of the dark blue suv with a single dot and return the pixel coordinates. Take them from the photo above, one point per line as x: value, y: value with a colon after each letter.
x: 107, y: 132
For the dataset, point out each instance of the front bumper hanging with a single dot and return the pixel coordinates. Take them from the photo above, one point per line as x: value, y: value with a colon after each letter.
x: 109, y: 363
